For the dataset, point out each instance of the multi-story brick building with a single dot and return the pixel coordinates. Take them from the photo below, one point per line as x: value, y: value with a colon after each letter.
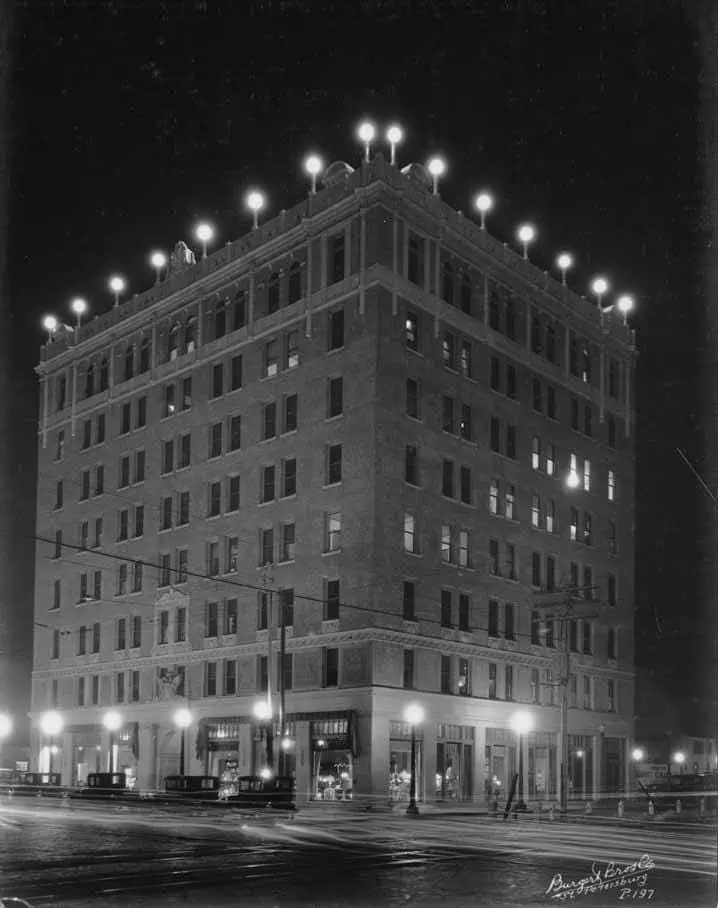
x: 369, y: 407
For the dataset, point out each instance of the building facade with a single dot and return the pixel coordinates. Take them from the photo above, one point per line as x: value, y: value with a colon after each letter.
x: 361, y: 416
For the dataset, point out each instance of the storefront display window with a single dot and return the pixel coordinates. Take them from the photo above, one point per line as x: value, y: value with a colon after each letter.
x: 400, y: 771
x: 332, y: 760
x: 229, y: 779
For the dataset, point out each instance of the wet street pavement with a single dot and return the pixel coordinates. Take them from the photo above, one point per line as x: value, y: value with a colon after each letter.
x: 52, y: 855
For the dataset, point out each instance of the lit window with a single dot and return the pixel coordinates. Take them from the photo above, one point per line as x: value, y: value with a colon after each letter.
x: 411, y: 331
x: 510, y: 503
x: 536, y: 453
x: 494, y: 497
x: 464, y: 553
x: 587, y: 475
x: 333, y: 532
x: 551, y: 525
x: 410, y: 540
x: 536, y: 511
x: 550, y: 459
x: 611, y: 485
x: 573, y: 523
x: 446, y: 544
x: 449, y: 351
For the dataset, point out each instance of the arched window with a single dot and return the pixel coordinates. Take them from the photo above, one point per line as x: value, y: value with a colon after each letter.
x: 90, y: 380
x: 145, y: 355
x: 104, y: 374
x: 220, y: 320
x: 173, y: 343
x: 129, y: 361
x: 295, y: 282
x: 273, y: 293
x: 447, y: 282
x: 190, y: 334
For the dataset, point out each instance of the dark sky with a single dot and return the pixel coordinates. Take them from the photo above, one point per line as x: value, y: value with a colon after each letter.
x: 134, y: 119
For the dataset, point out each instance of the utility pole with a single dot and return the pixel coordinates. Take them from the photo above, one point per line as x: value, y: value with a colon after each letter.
x: 564, y: 612
x: 281, y: 763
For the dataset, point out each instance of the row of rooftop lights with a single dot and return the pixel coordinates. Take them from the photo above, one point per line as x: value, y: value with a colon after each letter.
x: 255, y: 201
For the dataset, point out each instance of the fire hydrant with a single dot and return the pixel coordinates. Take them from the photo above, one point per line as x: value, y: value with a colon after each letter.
x: 620, y: 809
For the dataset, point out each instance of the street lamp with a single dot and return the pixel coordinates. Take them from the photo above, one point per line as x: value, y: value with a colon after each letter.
x: 522, y: 723
x: 366, y: 133
x: 638, y: 754
x: 117, y: 286
x: 313, y: 165
x: 483, y: 202
x: 564, y: 262
x: 262, y: 710
x: 599, y: 287
x: 112, y: 722
x: 394, y: 135
x: 158, y: 260
x: 204, y: 233
x: 437, y: 168
x: 51, y: 725
x: 5, y: 729
x: 414, y: 715
x: 79, y: 307
x: 255, y: 201
x: 182, y: 718
x: 50, y: 324
x: 526, y: 234
x: 680, y: 758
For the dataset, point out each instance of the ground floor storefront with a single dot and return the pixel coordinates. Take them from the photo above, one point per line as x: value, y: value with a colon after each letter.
x: 354, y: 745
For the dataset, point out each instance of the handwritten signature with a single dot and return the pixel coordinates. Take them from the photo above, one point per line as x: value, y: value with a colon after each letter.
x: 612, y: 876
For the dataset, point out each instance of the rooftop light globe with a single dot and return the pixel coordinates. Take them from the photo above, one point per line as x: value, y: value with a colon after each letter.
x: 5, y: 726
x: 255, y: 200
x: 436, y: 167
x: 394, y: 134
x: 414, y: 714
x: 78, y: 306
x: 526, y: 233
x: 599, y: 286
x: 51, y: 723
x: 366, y: 131
x: 50, y: 323
x: 565, y: 261
x: 484, y: 202
x: 117, y: 284
x: 313, y: 165
x: 679, y: 757
x: 265, y: 773
x: 204, y: 233
x: 625, y: 303
x: 522, y: 722
x: 112, y: 721
x: 262, y: 710
x: 182, y: 718
x: 158, y: 260
x: 638, y: 754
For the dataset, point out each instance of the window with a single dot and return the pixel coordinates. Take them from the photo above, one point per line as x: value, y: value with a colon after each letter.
x: 494, y: 565
x: 612, y: 432
x: 220, y: 320
x: 573, y: 523
x: 587, y: 649
x: 137, y: 577
x: 447, y: 479
x: 494, y: 497
x: 58, y: 544
x: 408, y: 669
x: 168, y: 402
x: 464, y: 549
x: 262, y: 674
x: 337, y: 259
x: 97, y: 585
x: 587, y: 529
x: 448, y: 414
x: 166, y: 513
x: 167, y: 456
x: 288, y: 544
x: 588, y: 421
x: 289, y: 477
x: 465, y: 482
x: 332, y: 531
x: 60, y: 445
x: 573, y: 636
x: 84, y: 489
x: 551, y: 402
x: 211, y: 628
x: 509, y: 682
x: 230, y: 677
x: 551, y: 523
x: 183, y: 509
x: 181, y: 625
x: 267, y: 493
x: 273, y: 293
x: 121, y: 634
x: 410, y: 534
x: 136, y: 625
x: 495, y: 435
x: 125, y: 417
x: 446, y: 548
x: 511, y: 442
x: 466, y: 291
x: 446, y: 608
x: 96, y: 637
x: 535, y: 629
x: 295, y: 283
x: 290, y: 413
x: 182, y: 565
x: 587, y: 704
x: 493, y: 618
x: 86, y: 434
x: 550, y: 351
x: 292, y: 348
x: 448, y: 348
x: 447, y: 282
x: 212, y: 559
x: 411, y: 469
x: 611, y: 643
x: 286, y: 606
x: 84, y: 533
x: 415, y: 259
x: 186, y: 395
x: 550, y: 572
x: 214, y: 506
x: 185, y: 452
x: 574, y: 414
x: 165, y: 569
x: 266, y: 546
x: 536, y: 510
x: 611, y: 484
x: 334, y: 464
x: 511, y: 385
x: 217, y: 380
x: 331, y: 606
x: 269, y: 421
x: 536, y: 335
x: 511, y: 562
x: 120, y: 687
x: 80, y: 691
x: 239, y: 310
x: 510, y: 502
x: 230, y: 617
x: 464, y: 608
x: 587, y: 475
x: 411, y: 331
x: 611, y: 590
x: 446, y: 674
x: 534, y: 685
x: 124, y: 472
x: 409, y: 601
x: 537, y: 395
x: 466, y: 359
x: 336, y: 396
x: 495, y: 373
x: 210, y: 679
x: 465, y: 427
x: 611, y: 695
x: 493, y: 671
x: 141, y: 412
x: 163, y: 629
x: 235, y: 433
x: 232, y: 555
x: 331, y: 667
x: 550, y: 462
x: 536, y: 569
x: 140, y: 461
x: 574, y: 576
x: 122, y: 579
x: 536, y: 452
x: 271, y: 358
x: 215, y: 440
x: 336, y: 329
x: 412, y: 398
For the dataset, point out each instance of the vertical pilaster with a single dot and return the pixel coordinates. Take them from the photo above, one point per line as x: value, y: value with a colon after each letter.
x: 73, y: 400
x: 362, y: 263
x: 394, y: 261
x: 45, y: 409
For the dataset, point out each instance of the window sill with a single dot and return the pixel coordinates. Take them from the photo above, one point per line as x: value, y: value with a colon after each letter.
x: 332, y: 552
x: 332, y: 485
x: 286, y: 497
x: 288, y: 432
x: 262, y: 504
x: 335, y: 416
x: 330, y: 626
x: 287, y: 561
x: 210, y: 642
x: 413, y: 554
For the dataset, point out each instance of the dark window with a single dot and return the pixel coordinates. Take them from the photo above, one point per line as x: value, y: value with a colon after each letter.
x: 611, y: 590
x: 494, y: 309
x: 511, y: 442
x: 551, y: 402
x: 492, y: 680
x: 511, y: 390
x: 331, y: 610
x: 145, y: 355
x: 466, y: 293
x: 220, y: 320
x: 509, y: 682
x: 230, y: 616
x: 141, y: 412
x: 336, y: 329
x: 412, y: 398
x: 217, y: 380
x: 611, y: 643
x: 331, y: 667
x: 446, y: 674
x: 269, y: 421
x: 167, y: 456
x: 466, y: 431
x: 215, y: 440
x: 575, y: 420
x: 509, y: 629
x: 464, y: 604
x: 588, y: 421
x: 536, y: 569
x: 273, y: 293
x: 446, y: 608
x: 262, y: 674
x: 447, y: 479
x: 267, y: 484
x: 185, y: 446
x: 495, y: 440
x: 215, y: 499
x: 239, y: 310
x: 537, y: 395
x: 493, y: 618
x: 408, y: 669
x: 550, y: 351
x: 448, y: 414
x: 447, y: 282
x: 612, y: 434
x: 336, y: 396
x: 125, y: 420
x: 337, y: 259
x: 573, y: 636
x: 211, y: 628
x: 236, y: 372
x: 550, y: 572
x: 536, y: 335
x: 414, y: 263
x: 511, y: 319
x: 267, y: 547
x: 291, y: 406
x: 587, y: 637
x: 286, y: 605
x: 465, y: 475
x: 210, y: 682
x: 234, y: 495
x: 289, y: 477
x: 495, y: 373
x: 334, y: 464
x: 409, y: 601
x: 86, y: 434
x: 295, y: 282
x: 235, y: 433
x: 411, y: 465
x: 535, y: 629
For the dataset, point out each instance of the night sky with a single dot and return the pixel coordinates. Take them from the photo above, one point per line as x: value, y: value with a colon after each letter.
x: 132, y: 120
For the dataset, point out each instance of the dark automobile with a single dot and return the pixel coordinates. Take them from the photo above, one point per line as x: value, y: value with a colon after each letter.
x: 195, y: 788
x: 106, y: 785
x: 254, y: 791
x: 39, y: 783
